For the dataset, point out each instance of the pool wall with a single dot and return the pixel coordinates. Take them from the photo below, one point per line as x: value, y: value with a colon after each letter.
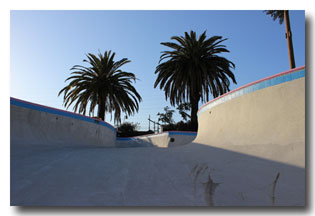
x: 34, y: 124
x: 265, y: 119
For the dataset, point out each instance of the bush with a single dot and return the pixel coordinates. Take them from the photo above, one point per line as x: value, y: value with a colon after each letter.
x: 179, y: 126
x: 128, y: 127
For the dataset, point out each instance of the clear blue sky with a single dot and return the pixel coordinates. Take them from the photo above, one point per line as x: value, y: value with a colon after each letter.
x: 46, y: 44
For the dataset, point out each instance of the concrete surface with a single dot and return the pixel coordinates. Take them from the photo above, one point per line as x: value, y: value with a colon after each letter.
x: 249, y: 151
x: 33, y: 124
x: 189, y: 175
x: 162, y: 140
x: 268, y: 123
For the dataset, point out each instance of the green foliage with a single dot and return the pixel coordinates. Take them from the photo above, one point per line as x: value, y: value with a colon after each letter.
x: 182, y: 109
x: 167, y: 117
x: 192, y: 70
x: 128, y: 127
x: 179, y: 126
x: 168, y: 122
x: 102, y: 84
x: 283, y: 15
x: 276, y: 14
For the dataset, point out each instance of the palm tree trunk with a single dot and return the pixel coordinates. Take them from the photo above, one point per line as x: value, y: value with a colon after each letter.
x: 194, y: 109
x: 101, y: 109
x: 289, y: 38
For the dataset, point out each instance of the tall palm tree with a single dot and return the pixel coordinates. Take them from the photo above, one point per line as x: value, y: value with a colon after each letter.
x: 102, y: 84
x: 284, y: 15
x: 193, y: 69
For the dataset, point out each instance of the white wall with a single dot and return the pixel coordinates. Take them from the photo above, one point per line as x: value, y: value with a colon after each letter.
x: 268, y: 123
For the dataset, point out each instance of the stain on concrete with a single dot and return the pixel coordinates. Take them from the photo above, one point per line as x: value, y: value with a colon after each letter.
x: 202, y: 171
x: 197, y: 170
x: 194, y: 168
x: 210, y: 187
x: 273, y: 196
x: 242, y: 196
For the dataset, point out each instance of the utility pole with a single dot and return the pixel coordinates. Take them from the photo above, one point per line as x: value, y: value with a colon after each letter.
x: 288, y: 36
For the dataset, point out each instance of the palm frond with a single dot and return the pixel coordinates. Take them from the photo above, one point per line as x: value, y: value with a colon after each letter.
x: 102, y: 84
x: 192, y: 67
x: 276, y: 14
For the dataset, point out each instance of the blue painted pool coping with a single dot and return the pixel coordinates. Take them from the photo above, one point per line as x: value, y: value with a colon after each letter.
x: 38, y: 107
x: 182, y: 133
x: 261, y: 84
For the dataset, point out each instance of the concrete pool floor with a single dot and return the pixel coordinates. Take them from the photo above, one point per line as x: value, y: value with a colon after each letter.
x: 190, y: 175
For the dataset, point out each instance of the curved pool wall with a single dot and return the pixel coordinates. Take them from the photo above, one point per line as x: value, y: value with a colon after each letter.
x: 265, y: 119
x: 34, y: 124
x: 162, y: 140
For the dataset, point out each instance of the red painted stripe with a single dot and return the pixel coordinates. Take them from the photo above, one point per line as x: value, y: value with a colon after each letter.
x: 59, y: 110
x: 253, y: 83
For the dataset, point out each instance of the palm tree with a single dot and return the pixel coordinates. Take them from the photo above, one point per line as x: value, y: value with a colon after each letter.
x: 284, y: 15
x: 102, y: 84
x: 193, y: 70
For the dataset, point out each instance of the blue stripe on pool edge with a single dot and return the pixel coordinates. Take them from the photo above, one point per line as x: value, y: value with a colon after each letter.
x: 57, y: 112
x: 258, y: 86
x: 124, y: 138
x: 182, y: 133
